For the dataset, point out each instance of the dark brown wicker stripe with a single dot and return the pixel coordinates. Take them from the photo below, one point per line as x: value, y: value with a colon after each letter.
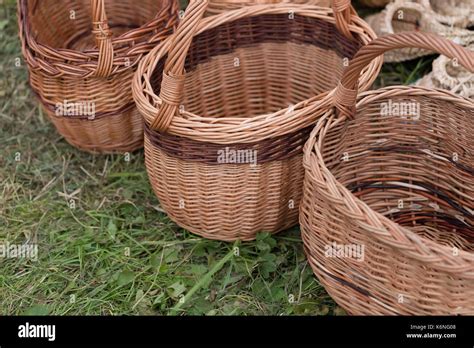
x: 444, y: 196
x: 268, y: 28
x: 349, y: 284
x: 275, y: 149
x: 251, y: 31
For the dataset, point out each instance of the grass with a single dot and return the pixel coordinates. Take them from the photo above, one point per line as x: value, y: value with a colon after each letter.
x: 106, y: 247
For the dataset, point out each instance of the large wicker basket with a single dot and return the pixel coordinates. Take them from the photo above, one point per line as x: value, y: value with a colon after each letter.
x: 387, y: 213
x: 219, y: 6
x: 81, y: 57
x: 224, y: 139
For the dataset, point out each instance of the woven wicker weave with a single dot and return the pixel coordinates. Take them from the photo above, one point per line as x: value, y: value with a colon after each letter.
x: 400, y: 184
x: 219, y: 6
x: 79, y: 59
x: 256, y: 80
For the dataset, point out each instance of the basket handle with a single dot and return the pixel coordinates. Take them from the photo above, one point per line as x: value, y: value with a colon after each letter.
x: 172, y: 85
x: 103, y: 38
x: 343, y: 10
x: 345, y: 97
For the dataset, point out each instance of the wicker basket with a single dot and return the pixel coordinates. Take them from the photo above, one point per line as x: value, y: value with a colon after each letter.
x: 219, y: 6
x: 223, y: 141
x: 81, y: 64
x: 387, y: 212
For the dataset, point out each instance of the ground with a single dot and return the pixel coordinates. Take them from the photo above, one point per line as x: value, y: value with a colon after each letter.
x: 105, y: 246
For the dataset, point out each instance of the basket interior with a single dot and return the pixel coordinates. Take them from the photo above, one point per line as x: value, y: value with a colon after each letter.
x: 68, y: 23
x: 410, y: 159
x: 262, y: 64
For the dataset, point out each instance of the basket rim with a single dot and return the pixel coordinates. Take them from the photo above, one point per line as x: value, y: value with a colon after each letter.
x: 71, y: 58
x: 244, y: 129
x: 216, y: 7
x: 313, y: 158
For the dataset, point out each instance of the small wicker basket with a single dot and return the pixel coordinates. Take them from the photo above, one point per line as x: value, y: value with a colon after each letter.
x: 81, y: 64
x: 387, y: 212
x: 224, y: 137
